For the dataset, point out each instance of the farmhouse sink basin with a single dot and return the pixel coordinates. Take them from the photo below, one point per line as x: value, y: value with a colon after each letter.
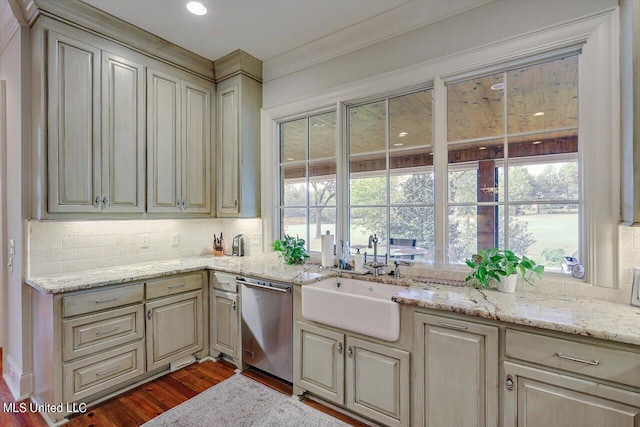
x: 353, y: 305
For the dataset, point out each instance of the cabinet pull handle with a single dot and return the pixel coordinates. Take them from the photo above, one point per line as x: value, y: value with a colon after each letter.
x: 234, y: 305
x: 452, y: 326
x: 96, y: 202
x: 575, y: 359
x: 235, y: 203
x: 149, y: 314
x: 339, y: 348
x: 101, y: 301
x: 98, y: 333
x: 350, y: 351
x: 107, y: 371
x: 105, y: 201
x: 179, y: 285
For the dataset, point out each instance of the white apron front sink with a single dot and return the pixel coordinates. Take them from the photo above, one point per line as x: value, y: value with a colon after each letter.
x: 354, y: 305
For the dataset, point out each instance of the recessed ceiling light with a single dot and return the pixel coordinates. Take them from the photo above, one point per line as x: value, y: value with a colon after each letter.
x: 318, y: 124
x: 539, y: 113
x: 536, y: 142
x: 431, y: 154
x: 398, y: 144
x: 402, y: 134
x: 289, y: 159
x: 482, y: 148
x: 497, y: 86
x: 196, y: 8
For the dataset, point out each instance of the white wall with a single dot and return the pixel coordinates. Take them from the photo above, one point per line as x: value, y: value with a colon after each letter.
x: 66, y: 246
x: 14, y: 68
x: 478, y: 27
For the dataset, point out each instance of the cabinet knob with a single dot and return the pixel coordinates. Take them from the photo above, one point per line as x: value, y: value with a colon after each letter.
x: 149, y: 314
x: 339, y: 348
x: 509, y: 382
x: 350, y: 351
x: 96, y: 202
x: 235, y: 203
x: 105, y: 201
x: 234, y: 305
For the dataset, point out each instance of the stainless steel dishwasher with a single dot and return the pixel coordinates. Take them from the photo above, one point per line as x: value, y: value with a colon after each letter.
x: 267, y: 326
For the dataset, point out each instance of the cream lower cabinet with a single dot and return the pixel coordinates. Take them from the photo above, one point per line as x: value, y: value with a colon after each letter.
x: 174, y: 328
x: 224, y: 324
x: 535, y: 397
x: 367, y: 378
x: 456, y: 371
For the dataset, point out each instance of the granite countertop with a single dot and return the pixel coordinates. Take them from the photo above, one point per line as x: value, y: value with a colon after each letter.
x: 587, y: 317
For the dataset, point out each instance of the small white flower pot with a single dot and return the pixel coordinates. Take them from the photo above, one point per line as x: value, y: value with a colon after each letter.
x: 507, y: 283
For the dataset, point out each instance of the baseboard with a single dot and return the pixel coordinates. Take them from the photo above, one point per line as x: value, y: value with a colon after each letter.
x: 18, y: 383
x: 338, y: 409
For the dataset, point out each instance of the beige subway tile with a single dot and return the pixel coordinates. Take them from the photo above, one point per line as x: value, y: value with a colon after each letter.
x: 45, y: 269
x: 89, y: 241
x: 621, y: 295
x: 45, y: 244
x: 37, y: 257
x: 72, y: 266
x: 62, y: 255
x: 51, y: 229
x: 583, y: 290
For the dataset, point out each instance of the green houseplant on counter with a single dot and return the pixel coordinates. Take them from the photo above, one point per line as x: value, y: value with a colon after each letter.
x: 502, y: 267
x: 291, y: 249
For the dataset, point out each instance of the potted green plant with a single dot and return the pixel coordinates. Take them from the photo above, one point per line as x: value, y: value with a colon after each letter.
x: 291, y: 249
x: 502, y: 267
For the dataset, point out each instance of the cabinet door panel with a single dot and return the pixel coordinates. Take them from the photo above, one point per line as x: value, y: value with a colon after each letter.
x: 321, y: 364
x: 74, y: 124
x: 123, y: 141
x: 196, y: 148
x: 457, y: 373
x: 225, y: 327
x: 378, y: 382
x: 542, y: 398
x: 228, y: 149
x: 163, y: 145
x: 174, y: 328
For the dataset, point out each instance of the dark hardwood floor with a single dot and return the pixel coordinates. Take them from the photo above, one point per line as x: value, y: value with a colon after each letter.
x: 149, y: 400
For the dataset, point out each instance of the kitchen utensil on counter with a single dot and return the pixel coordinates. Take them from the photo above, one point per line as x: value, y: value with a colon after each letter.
x: 218, y: 249
x: 237, y: 246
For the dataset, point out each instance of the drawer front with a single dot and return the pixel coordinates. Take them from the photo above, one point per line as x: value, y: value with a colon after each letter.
x: 224, y: 282
x: 174, y: 285
x: 605, y: 363
x: 89, y: 302
x: 95, y: 374
x: 84, y: 335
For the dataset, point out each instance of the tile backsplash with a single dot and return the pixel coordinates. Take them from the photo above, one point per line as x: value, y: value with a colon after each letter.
x: 66, y: 246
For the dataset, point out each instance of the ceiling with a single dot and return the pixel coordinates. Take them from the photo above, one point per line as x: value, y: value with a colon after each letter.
x: 269, y: 28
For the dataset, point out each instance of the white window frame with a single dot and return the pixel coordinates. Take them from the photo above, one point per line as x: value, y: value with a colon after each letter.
x: 599, y: 120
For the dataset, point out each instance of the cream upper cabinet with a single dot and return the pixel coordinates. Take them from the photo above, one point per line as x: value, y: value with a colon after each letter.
x: 96, y: 129
x: 73, y: 114
x: 179, y: 144
x: 456, y: 367
x: 123, y: 137
x: 239, y: 99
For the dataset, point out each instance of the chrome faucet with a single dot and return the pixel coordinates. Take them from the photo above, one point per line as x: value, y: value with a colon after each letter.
x: 397, y: 264
x: 375, y: 266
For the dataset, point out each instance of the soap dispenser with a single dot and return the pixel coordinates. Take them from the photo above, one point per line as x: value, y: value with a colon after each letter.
x: 359, y: 263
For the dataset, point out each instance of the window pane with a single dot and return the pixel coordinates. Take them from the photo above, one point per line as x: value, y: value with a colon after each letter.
x: 294, y: 185
x: 322, y: 183
x: 544, y: 181
x: 322, y: 136
x: 547, y: 232
x: 473, y: 171
x: 410, y: 120
x: 293, y: 141
x: 321, y: 220
x: 368, y: 180
x: 367, y: 128
x: 413, y: 223
x: 474, y: 109
x: 294, y: 222
x: 365, y: 222
x: 411, y: 176
x: 543, y: 96
x: 463, y: 230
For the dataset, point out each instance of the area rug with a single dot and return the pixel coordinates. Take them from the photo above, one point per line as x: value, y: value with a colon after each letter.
x: 240, y: 401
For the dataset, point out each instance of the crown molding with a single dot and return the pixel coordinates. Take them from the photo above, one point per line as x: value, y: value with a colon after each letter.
x: 25, y: 11
x: 238, y: 62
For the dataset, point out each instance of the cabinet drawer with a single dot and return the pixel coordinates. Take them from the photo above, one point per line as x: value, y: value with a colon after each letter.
x: 224, y: 282
x: 598, y: 362
x: 173, y: 285
x: 89, y: 302
x: 94, y: 374
x: 84, y: 335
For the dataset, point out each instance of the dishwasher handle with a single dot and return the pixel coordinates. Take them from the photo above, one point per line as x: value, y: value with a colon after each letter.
x: 270, y: 288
